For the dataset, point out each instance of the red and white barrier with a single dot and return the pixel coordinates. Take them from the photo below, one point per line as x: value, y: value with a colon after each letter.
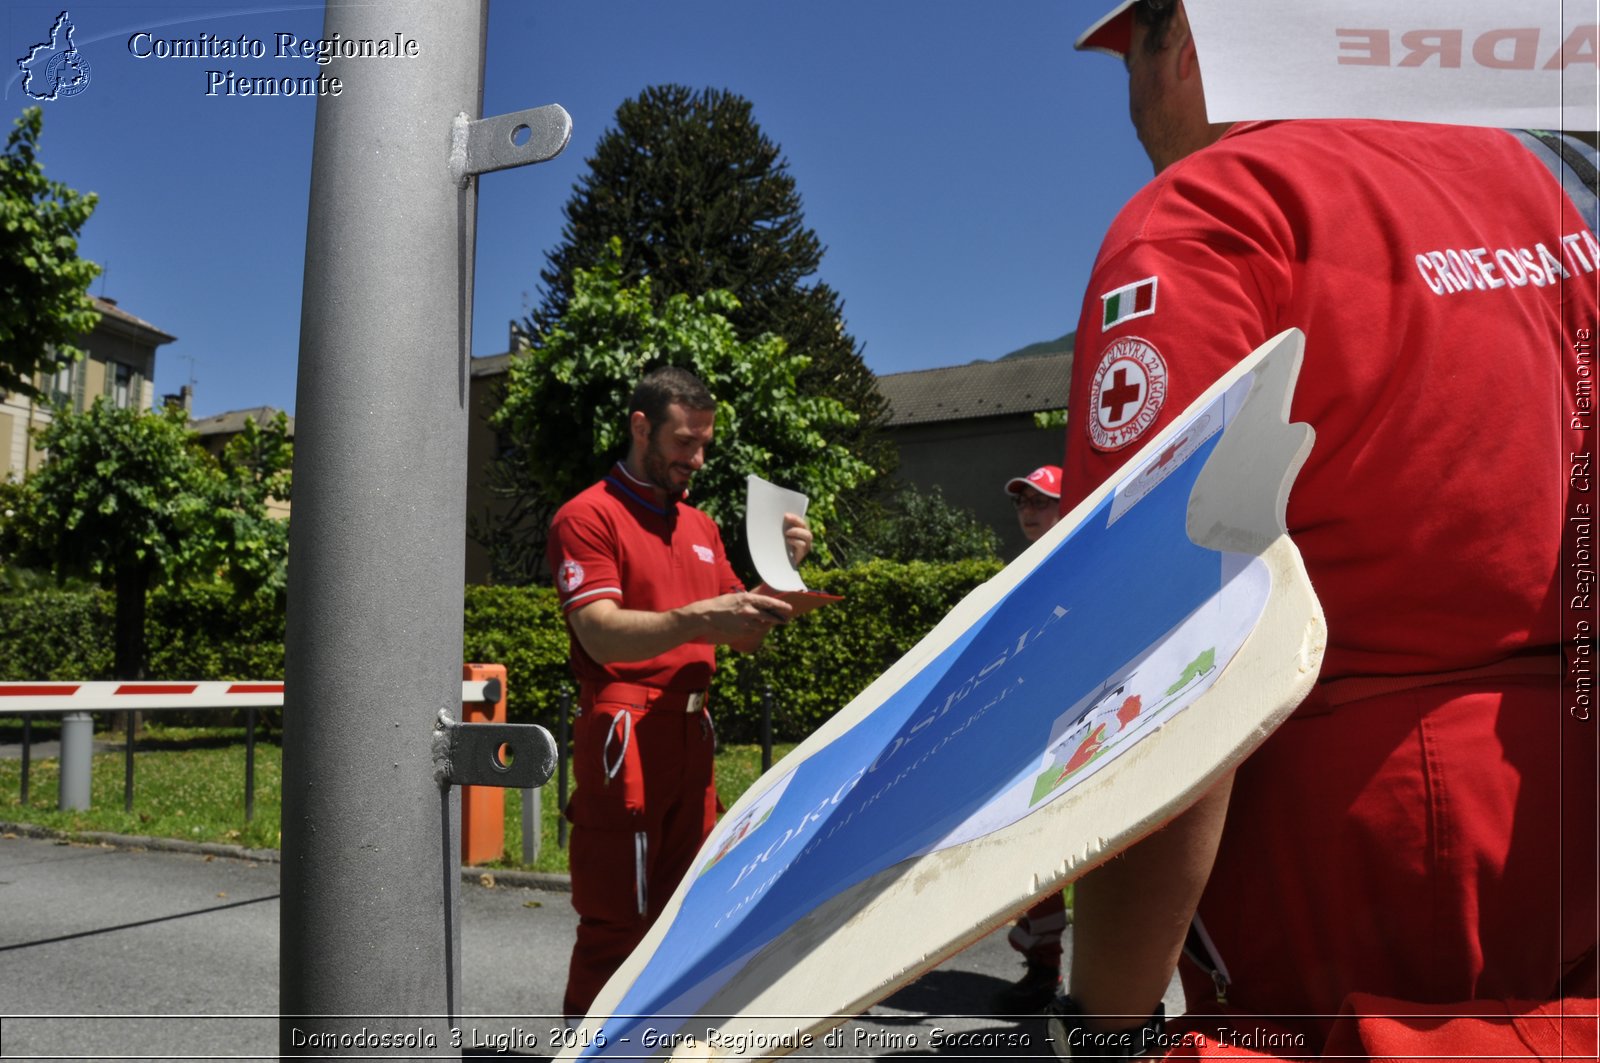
x: 118, y: 696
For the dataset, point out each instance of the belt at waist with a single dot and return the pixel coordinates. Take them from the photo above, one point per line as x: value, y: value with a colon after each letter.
x: 643, y: 696
x: 1336, y: 692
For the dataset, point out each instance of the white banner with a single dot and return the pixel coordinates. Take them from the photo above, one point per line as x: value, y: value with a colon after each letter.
x: 1520, y: 64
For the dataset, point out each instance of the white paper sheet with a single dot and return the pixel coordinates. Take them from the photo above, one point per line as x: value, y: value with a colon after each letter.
x: 765, y: 505
x: 1461, y: 62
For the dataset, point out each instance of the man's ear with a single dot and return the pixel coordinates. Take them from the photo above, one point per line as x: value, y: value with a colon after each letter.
x: 1181, y: 41
x: 639, y: 429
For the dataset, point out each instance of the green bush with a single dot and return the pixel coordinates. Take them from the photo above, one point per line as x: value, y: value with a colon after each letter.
x: 51, y: 635
x: 200, y: 632
x: 521, y: 628
x: 210, y: 632
x: 813, y: 667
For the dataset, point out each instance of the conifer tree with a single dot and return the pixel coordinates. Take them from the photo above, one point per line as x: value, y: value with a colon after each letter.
x: 702, y: 200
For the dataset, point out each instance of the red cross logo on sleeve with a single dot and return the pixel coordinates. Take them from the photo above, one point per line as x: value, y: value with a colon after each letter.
x: 1127, y: 390
x: 1122, y: 393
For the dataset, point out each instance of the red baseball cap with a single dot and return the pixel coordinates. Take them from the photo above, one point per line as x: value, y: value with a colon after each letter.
x: 1113, y: 34
x: 1046, y: 480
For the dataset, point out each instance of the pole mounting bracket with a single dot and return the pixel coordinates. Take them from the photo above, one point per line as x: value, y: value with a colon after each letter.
x: 514, y: 755
x: 520, y: 138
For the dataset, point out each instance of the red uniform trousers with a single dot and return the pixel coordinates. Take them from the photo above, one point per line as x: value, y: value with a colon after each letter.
x: 645, y: 801
x: 1432, y: 845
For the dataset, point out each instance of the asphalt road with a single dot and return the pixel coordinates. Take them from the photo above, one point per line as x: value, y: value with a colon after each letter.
x: 108, y: 953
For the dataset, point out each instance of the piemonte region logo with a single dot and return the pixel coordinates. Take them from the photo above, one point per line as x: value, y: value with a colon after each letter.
x: 55, y: 69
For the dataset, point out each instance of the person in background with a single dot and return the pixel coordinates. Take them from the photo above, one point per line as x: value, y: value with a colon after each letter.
x: 1037, y: 498
x: 1037, y: 932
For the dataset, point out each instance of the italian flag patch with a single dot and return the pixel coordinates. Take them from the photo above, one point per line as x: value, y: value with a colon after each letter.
x: 1134, y: 300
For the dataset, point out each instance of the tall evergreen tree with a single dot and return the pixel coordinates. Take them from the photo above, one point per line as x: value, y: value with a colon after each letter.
x: 702, y: 200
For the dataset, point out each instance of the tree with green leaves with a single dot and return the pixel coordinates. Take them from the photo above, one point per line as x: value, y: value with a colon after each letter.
x: 128, y: 497
x: 701, y: 199
x: 565, y: 410
x: 909, y: 524
x: 245, y: 542
x: 44, y: 285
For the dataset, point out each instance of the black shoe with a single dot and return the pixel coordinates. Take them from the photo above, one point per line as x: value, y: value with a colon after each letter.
x: 1030, y: 993
x: 1061, y: 1019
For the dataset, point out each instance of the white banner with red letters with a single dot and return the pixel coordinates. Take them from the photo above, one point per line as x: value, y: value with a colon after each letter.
x: 1461, y: 62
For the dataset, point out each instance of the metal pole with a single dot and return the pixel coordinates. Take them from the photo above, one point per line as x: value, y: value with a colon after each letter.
x: 532, y: 825
x: 250, y: 764
x: 562, y: 727
x: 369, y: 924
x: 130, y: 724
x: 77, y: 750
x: 27, y: 755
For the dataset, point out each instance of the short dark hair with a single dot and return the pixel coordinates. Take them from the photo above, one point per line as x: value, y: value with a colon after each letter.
x: 662, y: 387
x: 1156, y: 17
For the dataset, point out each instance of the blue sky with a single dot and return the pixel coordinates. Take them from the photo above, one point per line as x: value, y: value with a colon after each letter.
x: 959, y: 161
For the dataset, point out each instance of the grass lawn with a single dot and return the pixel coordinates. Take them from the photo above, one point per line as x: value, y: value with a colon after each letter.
x: 189, y: 783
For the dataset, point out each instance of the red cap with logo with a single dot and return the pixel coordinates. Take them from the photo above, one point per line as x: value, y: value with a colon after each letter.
x: 1046, y: 480
x: 1112, y: 34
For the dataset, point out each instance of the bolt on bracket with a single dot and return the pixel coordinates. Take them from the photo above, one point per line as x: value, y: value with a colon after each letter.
x: 515, y: 755
x: 520, y: 138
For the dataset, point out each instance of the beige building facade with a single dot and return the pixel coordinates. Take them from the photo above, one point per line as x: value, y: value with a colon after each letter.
x: 120, y: 365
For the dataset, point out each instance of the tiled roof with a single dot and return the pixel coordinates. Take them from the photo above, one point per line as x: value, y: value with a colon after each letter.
x: 978, y: 389
x: 232, y: 422
x: 111, y: 310
x: 956, y: 393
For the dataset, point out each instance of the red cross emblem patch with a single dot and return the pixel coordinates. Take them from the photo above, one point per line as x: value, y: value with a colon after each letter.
x: 1127, y: 392
x: 570, y: 576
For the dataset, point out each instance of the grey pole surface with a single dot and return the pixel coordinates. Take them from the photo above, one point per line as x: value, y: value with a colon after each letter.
x: 370, y: 926
x: 77, y: 756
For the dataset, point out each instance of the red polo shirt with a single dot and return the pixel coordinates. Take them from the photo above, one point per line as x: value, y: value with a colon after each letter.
x: 1446, y: 288
x: 613, y: 541
x: 1434, y: 844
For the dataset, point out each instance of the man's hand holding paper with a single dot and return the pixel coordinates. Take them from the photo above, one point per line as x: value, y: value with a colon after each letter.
x: 779, y: 540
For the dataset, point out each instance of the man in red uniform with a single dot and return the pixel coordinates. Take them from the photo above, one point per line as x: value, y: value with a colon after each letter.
x: 648, y: 594
x: 1037, y: 932
x: 1420, y: 835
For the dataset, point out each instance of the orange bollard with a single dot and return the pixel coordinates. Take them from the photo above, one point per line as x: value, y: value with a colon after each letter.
x: 483, y: 808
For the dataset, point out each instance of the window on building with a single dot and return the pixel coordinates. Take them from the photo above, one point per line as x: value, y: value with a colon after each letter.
x: 61, y: 385
x: 122, y: 390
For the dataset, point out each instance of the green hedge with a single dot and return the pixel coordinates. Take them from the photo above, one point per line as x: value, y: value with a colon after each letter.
x: 55, y: 635
x: 521, y: 628
x: 248, y: 642
x: 812, y: 667
x: 202, y: 632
